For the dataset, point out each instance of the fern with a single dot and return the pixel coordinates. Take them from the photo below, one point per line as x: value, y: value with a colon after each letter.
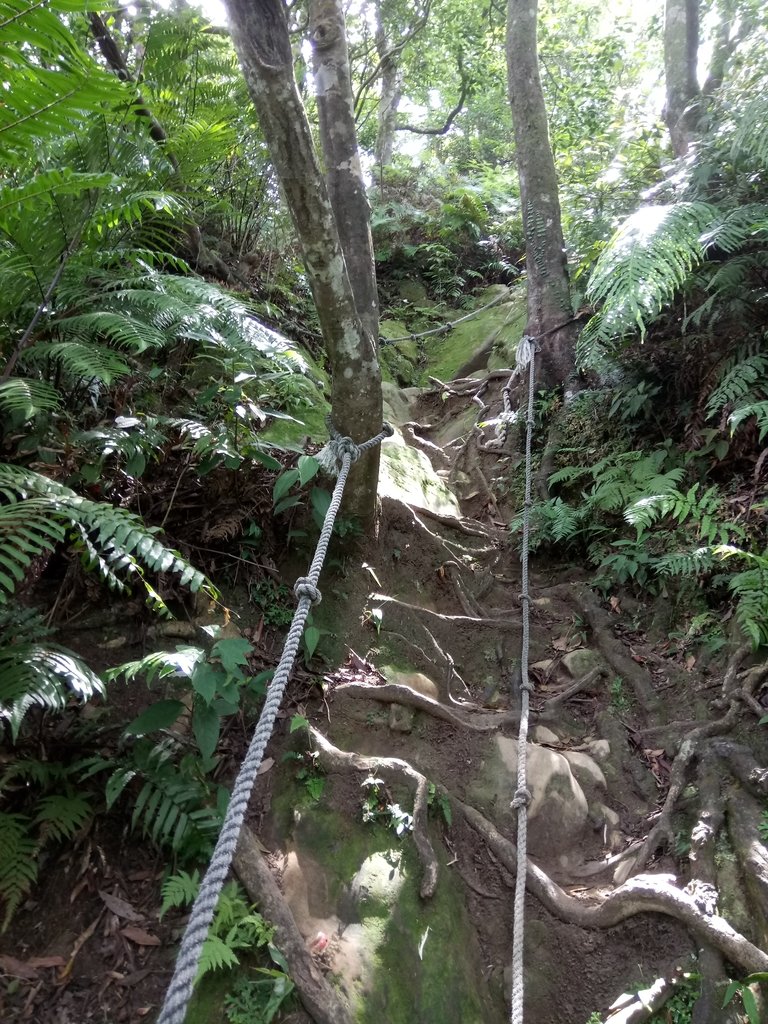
x: 645, y: 263
x: 738, y: 381
x: 750, y: 587
x: 62, y: 815
x: 179, y: 890
x: 27, y: 397
x: 43, y: 676
x: 757, y: 409
x: 112, y: 540
x: 18, y: 863
x: 172, y: 806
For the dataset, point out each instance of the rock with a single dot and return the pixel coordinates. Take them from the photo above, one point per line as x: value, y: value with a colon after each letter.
x: 397, y: 408
x: 577, y: 663
x: 558, y: 809
x: 600, y: 750
x: 585, y: 771
x: 541, y: 734
x: 544, y: 667
x: 407, y: 475
x: 400, y: 718
x: 609, y: 815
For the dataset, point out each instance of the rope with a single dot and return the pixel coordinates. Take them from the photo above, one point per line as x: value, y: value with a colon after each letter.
x: 446, y: 328
x: 525, y: 356
x: 180, y: 989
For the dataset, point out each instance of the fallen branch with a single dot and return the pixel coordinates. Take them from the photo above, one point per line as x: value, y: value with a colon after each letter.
x: 321, y: 1001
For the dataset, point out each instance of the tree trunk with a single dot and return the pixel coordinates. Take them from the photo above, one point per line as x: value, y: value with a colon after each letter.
x: 681, y: 48
x: 344, y: 175
x: 389, y: 98
x: 260, y: 35
x: 549, y: 295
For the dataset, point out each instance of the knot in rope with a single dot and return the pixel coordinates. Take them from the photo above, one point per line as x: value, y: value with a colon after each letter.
x: 521, y: 798
x: 304, y: 587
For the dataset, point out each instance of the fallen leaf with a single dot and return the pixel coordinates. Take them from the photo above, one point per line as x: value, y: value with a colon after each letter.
x: 561, y: 643
x: 690, y: 661
x: 17, y: 968
x: 80, y: 941
x: 615, y: 605
x: 266, y: 764
x: 46, y: 961
x: 119, y: 907
x: 139, y: 936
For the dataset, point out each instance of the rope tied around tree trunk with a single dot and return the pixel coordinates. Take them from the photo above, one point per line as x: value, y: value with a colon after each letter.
x: 179, y: 992
x: 525, y: 358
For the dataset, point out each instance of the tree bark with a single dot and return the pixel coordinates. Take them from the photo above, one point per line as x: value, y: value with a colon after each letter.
x: 261, y: 38
x: 549, y: 295
x: 344, y: 175
x: 681, y: 48
x: 390, y: 96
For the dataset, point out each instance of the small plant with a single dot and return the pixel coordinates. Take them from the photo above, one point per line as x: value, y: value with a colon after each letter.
x: 440, y: 803
x: 379, y: 807
x: 741, y: 990
x: 274, y: 599
x: 308, y: 771
x: 620, y: 702
x: 258, y: 1000
x: 236, y: 925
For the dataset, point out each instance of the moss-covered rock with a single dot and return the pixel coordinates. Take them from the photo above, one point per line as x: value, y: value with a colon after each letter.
x: 397, y: 958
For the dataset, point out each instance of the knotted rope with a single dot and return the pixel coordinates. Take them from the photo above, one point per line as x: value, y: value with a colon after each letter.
x: 525, y: 357
x: 177, y: 997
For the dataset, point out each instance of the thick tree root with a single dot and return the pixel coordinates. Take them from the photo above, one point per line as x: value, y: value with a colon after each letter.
x: 331, y: 759
x: 319, y: 999
x: 393, y: 693
x: 643, y: 894
x: 453, y: 620
x: 636, y: 1007
x: 551, y: 708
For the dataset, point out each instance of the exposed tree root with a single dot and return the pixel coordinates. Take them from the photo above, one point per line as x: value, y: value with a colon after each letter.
x: 642, y: 894
x: 554, y: 704
x: 458, y: 620
x: 636, y: 1007
x: 689, y: 749
x: 332, y: 759
x: 394, y: 693
x: 466, y: 526
x: 321, y: 1001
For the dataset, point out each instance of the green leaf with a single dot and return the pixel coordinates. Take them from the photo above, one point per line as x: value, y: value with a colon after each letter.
x: 290, y: 502
x: 233, y: 654
x: 116, y: 783
x: 299, y: 722
x: 730, y: 992
x: 206, y: 725
x: 750, y: 1005
x: 311, y: 639
x: 283, y: 484
x: 308, y: 468
x: 158, y: 716
x: 206, y: 679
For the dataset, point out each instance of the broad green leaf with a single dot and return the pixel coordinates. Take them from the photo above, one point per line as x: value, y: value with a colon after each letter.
x: 158, y: 716
x: 206, y: 680
x: 206, y: 725
x: 308, y: 468
x: 299, y: 722
x: 311, y: 639
x: 233, y: 654
x: 283, y: 484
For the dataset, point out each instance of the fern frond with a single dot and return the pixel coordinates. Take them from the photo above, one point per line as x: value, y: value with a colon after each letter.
x: 645, y: 263
x: 46, y: 676
x: 28, y: 397
x: 685, y: 563
x: 757, y: 409
x: 18, y: 863
x: 215, y: 955
x: 179, y: 890
x: 750, y: 588
x: 112, y: 540
x: 61, y: 816
x: 738, y: 381
x: 80, y: 359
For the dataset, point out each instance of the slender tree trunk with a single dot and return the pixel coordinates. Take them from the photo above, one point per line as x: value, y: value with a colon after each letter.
x: 681, y: 48
x: 344, y: 175
x: 390, y: 94
x: 549, y: 295
x: 260, y: 35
